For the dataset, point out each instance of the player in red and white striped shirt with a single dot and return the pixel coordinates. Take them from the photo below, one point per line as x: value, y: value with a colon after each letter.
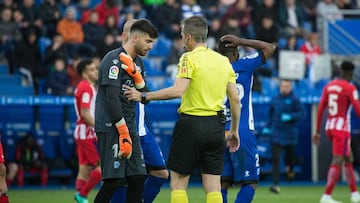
x: 89, y: 161
x: 338, y: 97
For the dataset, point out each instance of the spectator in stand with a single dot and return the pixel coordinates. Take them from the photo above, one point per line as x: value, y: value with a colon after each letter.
x: 268, y: 9
x: 107, y: 44
x: 177, y: 49
x: 31, y: 14
x: 111, y: 27
x: 291, y: 19
x: 106, y: 8
x: 50, y: 15
x: 72, y: 72
x: 26, y: 57
x: 190, y: 8
x: 345, y: 4
x: 31, y: 158
x: 291, y: 43
x: 168, y: 17
x: 94, y: 33
x: 136, y: 10
x: 73, y: 35
x: 214, y: 33
x: 231, y: 26
x: 58, y: 80
x: 83, y: 11
x: 64, y: 5
x: 311, y: 48
x: 57, y: 49
x: 326, y: 10
x: 310, y: 12
x: 9, y: 35
x: 8, y: 4
x: 241, y: 12
x: 268, y: 31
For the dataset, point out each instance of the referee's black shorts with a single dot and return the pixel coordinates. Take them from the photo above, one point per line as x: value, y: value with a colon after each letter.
x: 198, y: 141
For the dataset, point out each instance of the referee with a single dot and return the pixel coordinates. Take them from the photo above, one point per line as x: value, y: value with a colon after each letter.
x: 203, y: 80
x: 115, y: 125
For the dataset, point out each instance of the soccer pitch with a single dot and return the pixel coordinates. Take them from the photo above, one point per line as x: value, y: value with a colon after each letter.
x: 289, y: 194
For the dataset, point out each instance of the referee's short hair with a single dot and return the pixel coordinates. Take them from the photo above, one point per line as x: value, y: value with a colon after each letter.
x: 145, y: 26
x: 82, y: 65
x: 196, y: 26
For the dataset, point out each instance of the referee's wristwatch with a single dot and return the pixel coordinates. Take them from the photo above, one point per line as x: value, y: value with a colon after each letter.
x: 143, y: 97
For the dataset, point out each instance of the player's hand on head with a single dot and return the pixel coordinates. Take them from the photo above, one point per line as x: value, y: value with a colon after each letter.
x: 232, y: 140
x: 231, y: 40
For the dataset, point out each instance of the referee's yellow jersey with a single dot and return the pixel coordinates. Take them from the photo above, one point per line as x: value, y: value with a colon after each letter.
x: 210, y: 73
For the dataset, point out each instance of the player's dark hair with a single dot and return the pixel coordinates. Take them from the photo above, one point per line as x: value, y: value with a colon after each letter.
x: 347, y: 66
x: 145, y: 26
x: 225, y: 50
x: 82, y: 65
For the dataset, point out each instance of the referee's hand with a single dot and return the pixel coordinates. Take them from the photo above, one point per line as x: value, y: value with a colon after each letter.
x: 131, y: 93
x: 232, y: 141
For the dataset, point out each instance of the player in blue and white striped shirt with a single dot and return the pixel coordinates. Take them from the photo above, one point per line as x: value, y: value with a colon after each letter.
x: 242, y: 167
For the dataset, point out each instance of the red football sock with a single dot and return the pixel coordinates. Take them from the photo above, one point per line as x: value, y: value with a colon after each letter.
x: 94, y: 179
x: 332, y: 178
x: 350, y: 176
x: 4, y: 199
x: 44, y: 177
x: 20, y: 177
x: 79, y: 183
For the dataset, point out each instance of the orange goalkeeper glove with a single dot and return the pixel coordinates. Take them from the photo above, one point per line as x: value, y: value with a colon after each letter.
x: 125, y: 142
x: 129, y: 66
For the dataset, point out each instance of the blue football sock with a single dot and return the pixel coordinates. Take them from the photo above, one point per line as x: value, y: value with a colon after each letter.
x: 245, y: 195
x: 152, y: 188
x: 119, y: 195
x: 224, y: 195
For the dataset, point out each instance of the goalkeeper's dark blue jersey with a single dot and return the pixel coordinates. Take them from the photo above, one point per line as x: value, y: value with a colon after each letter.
x: 244, y: 68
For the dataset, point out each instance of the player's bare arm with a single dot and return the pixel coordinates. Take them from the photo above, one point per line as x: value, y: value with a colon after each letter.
x: 267, y: 48
x: 86, y: 115
x: 233, y: 140
x: 175, y: 91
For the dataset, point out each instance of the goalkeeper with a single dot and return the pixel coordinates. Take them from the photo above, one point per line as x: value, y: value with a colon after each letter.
x: 119, y: 146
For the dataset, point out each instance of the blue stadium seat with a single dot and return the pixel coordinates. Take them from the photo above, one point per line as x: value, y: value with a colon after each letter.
x: 49, y: 143
x: 67, y: 147
x: 43, y: 43
x: 161, y: 47
x: 270, y: 86
x: 51, y: 117
x: 18, y: 118
x: 16, y: 90
x: 4, y: 69
x: 152, y: 67
x: 10, y: 80
x: 168, y: 82
x: 154, y: 83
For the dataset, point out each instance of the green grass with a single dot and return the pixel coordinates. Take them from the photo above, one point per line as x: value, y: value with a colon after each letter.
x: 293, y: 194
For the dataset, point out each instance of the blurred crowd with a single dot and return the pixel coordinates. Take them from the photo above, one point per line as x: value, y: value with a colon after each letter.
x: 46, y: 38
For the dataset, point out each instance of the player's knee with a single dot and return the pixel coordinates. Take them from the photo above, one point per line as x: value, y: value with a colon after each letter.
x: 160, y: 173
x: 2, y: 169
x: 338, y: 160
